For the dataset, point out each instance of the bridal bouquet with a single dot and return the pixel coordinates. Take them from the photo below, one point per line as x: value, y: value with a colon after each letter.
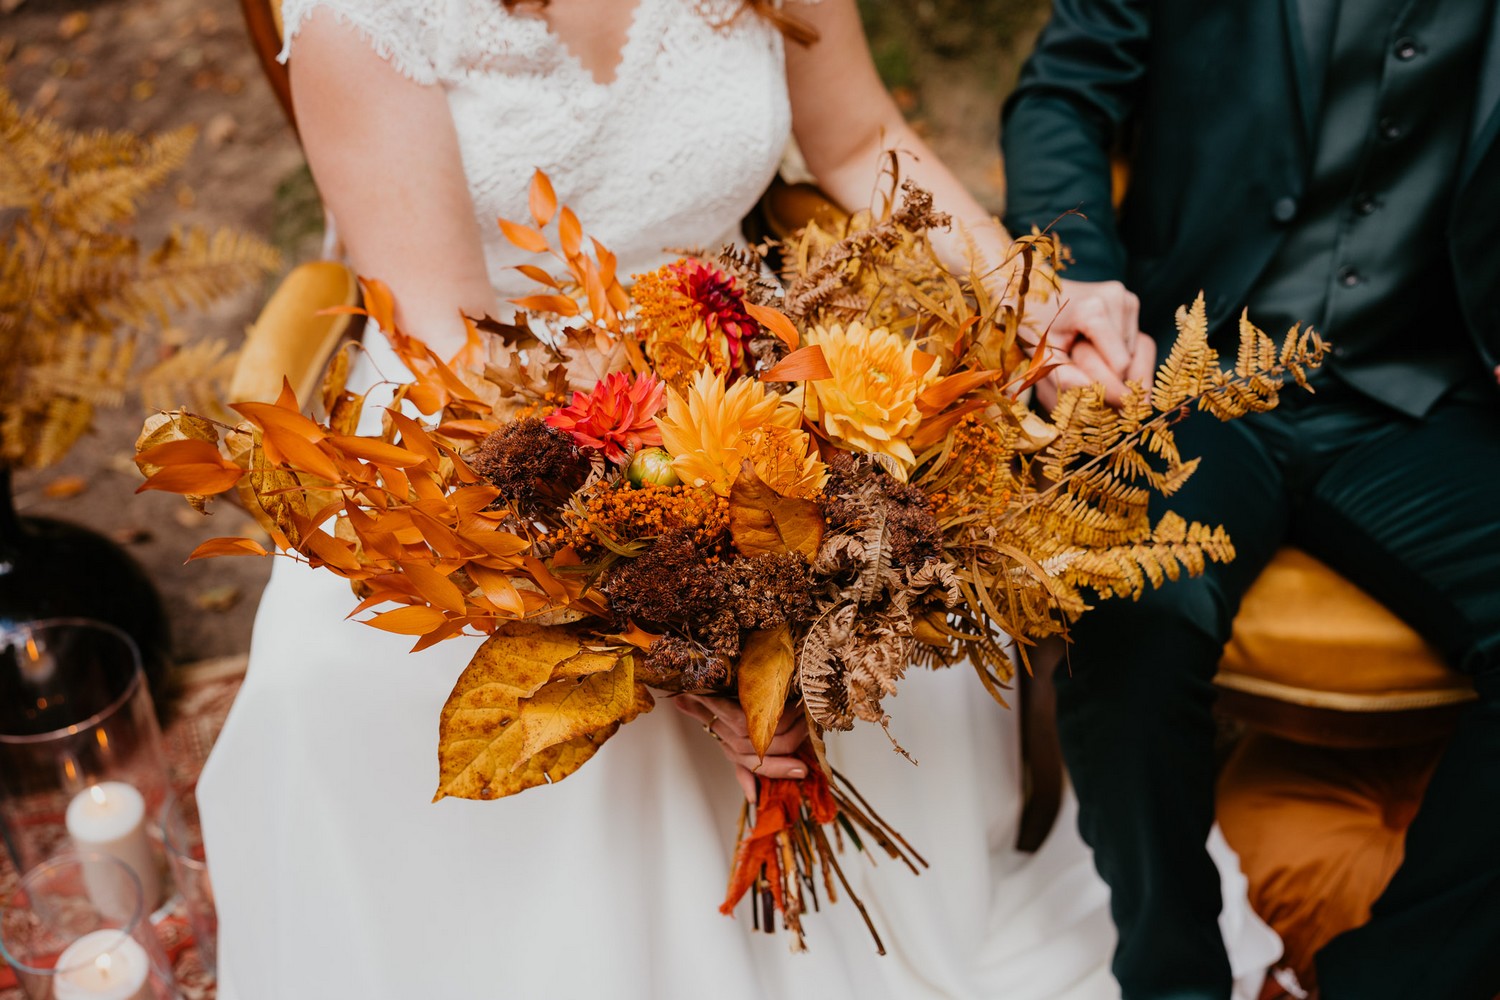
x: 710, y: 482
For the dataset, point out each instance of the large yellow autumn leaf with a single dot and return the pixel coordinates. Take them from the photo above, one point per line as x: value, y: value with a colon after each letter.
x: 532, y: 706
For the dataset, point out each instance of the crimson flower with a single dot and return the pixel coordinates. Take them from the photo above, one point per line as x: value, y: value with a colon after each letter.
x: 720, y: 303
x: 616, y: 417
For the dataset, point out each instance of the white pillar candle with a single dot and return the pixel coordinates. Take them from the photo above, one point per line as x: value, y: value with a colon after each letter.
x: 104, y: 965
x: 110, y: 818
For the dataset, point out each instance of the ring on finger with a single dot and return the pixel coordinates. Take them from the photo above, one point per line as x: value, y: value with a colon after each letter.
x: 708, y: 728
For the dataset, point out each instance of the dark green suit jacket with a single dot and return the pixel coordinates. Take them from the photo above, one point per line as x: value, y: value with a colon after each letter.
x: 1214, y: 102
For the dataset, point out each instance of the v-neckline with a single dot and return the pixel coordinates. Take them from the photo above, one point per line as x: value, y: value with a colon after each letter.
x: 619, y: 64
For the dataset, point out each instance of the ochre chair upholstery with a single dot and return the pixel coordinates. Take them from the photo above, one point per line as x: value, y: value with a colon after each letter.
x: 1313, y: 658
x: 1319, y: 832
x: 1348, y: 710
x: 293, y: 338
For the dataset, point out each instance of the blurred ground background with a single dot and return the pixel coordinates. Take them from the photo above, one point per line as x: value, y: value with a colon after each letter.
x: 151, y: 65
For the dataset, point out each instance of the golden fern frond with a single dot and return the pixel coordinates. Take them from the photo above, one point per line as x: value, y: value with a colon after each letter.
x: 64, y: 421
x: 75, y: 287
x: 196, y: 268
x: 101, y: 149
x: 1191, y: 362
x: 81, y: 365
x: 193, y: 375
x: 29, y: 148
x: 1175, y: 547
x: 96, y: 198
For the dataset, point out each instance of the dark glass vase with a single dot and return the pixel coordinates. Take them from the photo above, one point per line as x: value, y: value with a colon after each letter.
x: 52, y: 569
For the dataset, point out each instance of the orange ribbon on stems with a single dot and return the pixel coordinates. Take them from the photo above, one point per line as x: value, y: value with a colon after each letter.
x: 788, y: 841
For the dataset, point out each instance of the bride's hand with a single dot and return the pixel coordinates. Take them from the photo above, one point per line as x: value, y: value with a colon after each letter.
x: 723, y: 719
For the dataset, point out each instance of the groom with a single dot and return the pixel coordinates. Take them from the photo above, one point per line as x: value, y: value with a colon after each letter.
x: 1331, y: 161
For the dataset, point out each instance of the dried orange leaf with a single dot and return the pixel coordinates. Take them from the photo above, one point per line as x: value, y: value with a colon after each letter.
x: 538, y: 275
x: 569, y: 232
x: 541, y: 199
x: 193, y: 480
x: 191, y: 451
x: 434, y: 587
x: 777, y: 322
x: 522, y: 236
x: 947, y: 390
x: 763, y: 522
x: 765, y: 677
x: 559, y: 304
x: 806, y: 364
x: 287, y: 448
x: 228, y: 547
x: 371, y: 450
x: 409, y: 621
x: 934, y: 429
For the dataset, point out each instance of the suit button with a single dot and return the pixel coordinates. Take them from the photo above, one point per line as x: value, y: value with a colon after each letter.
x: 1349, y: 277
x: 1406, y: 49
x: 1390, y: 129
x: 1284, y: 210
x: 1365, y: 204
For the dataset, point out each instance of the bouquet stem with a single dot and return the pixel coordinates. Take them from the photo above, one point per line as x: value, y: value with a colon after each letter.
x: 784, y: 849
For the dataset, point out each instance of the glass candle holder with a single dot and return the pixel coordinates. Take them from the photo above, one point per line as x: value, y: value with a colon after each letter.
x: 66, y: 942
x: 81, y: 763
x: 183, y: 837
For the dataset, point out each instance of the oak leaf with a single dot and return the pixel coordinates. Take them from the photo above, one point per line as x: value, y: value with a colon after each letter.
x: 489, y: 743
x: 763, y: 522
x: 767, y: 662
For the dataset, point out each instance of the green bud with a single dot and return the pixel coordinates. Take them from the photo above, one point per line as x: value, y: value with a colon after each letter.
x: 651, y: 466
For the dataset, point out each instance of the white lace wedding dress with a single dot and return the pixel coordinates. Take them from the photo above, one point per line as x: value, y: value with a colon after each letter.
x: 338, y: 879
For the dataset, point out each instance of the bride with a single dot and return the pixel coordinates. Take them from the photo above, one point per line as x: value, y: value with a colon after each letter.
x: 660, y: 122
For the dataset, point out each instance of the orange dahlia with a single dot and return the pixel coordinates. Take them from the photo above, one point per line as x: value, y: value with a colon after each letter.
x: 694, y: 316
x: 616, y: 417
x: 711, y: 431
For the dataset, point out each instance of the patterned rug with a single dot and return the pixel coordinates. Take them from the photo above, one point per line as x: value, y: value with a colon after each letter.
x: 192, y: 716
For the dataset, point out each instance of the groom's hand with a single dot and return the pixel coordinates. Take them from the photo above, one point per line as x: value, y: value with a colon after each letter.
x: 1096, y: 325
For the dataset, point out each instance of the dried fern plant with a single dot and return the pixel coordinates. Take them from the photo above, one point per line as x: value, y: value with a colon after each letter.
x: 1038, y: 516
x: 77, y: 291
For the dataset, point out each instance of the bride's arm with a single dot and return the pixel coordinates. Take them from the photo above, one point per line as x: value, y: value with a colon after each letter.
x: 385, y: 156
x: 843, y: 119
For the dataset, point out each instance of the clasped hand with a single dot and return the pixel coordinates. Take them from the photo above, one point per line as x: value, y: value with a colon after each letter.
x: 1093, y: 335
x: 723, y: 719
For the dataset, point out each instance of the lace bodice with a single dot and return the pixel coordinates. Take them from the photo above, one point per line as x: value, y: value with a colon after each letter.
x: 670, y: 153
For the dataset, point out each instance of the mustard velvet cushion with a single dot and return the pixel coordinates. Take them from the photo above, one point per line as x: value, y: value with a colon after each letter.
x: 290, y: 339
x: 1319, y: 832
x: 1307, y: 636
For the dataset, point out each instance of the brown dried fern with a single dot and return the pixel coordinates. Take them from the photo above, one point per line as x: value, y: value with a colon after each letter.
x: 77, y: 291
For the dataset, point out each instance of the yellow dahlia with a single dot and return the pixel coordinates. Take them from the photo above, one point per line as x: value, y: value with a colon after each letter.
x: 711, y: 431
x: 870, y: 403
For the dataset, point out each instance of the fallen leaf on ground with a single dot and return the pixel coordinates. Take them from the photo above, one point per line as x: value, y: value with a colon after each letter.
x: 65, y: 487
x: 72, y: 25
x: 218, y: 598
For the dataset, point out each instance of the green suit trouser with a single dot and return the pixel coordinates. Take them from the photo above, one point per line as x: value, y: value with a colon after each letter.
x: 1408, y: 509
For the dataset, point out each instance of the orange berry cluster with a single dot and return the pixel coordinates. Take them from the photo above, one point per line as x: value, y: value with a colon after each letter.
x: 978, y: 464
x: 624, y: 514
